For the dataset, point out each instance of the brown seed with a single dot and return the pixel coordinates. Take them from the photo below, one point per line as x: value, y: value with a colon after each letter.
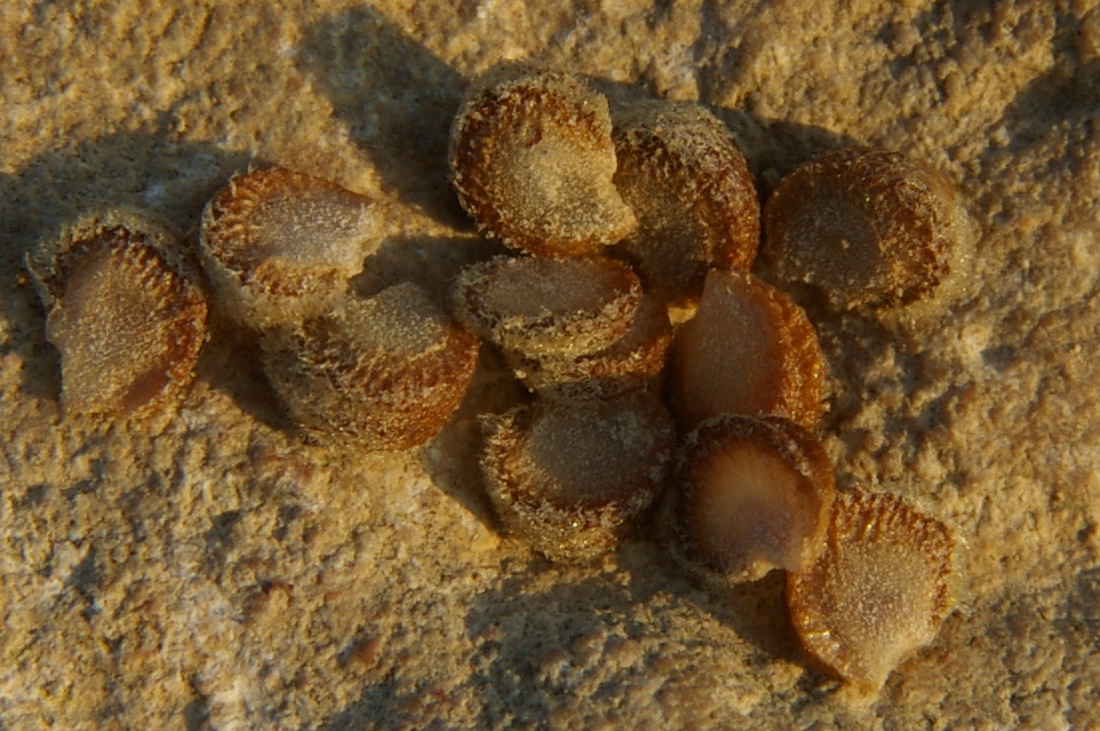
x: 125, y: 310
x: 631, y: 363
x: 879, y: 590
x: 574, y: 479
x: 532, y: 160
x: 751, y: 495
x: 748, y: 350
x: 869, y: 227
x: 538, y: 306
x: 279, y: 245
x: 693, y: 195
x: 384, y: 372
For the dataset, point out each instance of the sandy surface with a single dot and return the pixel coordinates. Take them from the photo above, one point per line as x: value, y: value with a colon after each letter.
x: 206, y: 569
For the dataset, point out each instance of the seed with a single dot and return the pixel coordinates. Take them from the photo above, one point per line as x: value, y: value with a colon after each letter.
x: 537, y: 306
x: 751, y: 495
x: 385, y: 372
x: 869, y: 227
x: 693, y: 195
x: 532, y: 161
x: 574, y: 479
x: 279, y: 246
x: 879, y: 590
x: 631, y: 363
x: 748, y: 350
x: 125, y: 310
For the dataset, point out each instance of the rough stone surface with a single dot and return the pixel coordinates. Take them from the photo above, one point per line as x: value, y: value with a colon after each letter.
x: 207, y: 569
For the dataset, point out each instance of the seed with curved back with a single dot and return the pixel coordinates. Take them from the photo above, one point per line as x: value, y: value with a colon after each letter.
x: 871, y: 228
x: 631, y: 363
x: 751, y: 495
x: 532, y: 160
x: 125, y: 309
x: 748, y: 350
x: 573, y: 479
x: 878, y: 591
x: 538, y: 305
x: 690, y: 188
x: 384, y: 372
x: 279, y: 245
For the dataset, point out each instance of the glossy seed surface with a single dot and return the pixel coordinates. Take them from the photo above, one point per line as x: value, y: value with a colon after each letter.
x: 538, y: 306
x: 690, y: 188
x: 532, y: 162
x: 125, y: 310
x: 279, y: 245
x: 574, y: 479
x: 385, y: 372
x: 871, y: 228
x: 748, y: 350
x: 751, y: 495
x: 879, y: 590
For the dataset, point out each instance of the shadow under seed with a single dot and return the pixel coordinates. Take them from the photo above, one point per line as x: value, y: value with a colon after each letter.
x: 397, y: 99
x: 151, y: 170
x: 452, y: 458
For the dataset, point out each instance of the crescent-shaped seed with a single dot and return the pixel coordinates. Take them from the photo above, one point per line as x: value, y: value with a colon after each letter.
x: 125, y: 309
x: 539, y: 306
x: 879, y: 590
x: 279, y: 246
x: 384, y: 373
x: 532, y: 162
x: 750, y: 495
x: 573, y: 479
x: 869, y: 227
x: 631, y: 363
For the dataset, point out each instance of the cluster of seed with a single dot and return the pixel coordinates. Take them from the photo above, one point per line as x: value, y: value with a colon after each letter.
x: 127, y: 311
x: 588, y: 193
x: 619, y: 215
x: 383, y: 372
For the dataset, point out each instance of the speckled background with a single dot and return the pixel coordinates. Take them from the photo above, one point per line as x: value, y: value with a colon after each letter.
x: 205, y: 569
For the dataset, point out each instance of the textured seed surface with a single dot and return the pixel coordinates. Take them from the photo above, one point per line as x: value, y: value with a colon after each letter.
x: 630, y: 363
x: 748, y: 350
x: 125, y: 311
x: 690, y: 188
x: 532, y: 162
x: 386, y: 372
x: 751, y: 495
x: 869, y: 227
x: 279, y: 245
x: 879, y: 590
x: 573, y: 479
x: 536, y: 306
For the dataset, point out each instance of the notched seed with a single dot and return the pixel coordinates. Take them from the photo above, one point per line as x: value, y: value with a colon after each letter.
x: 574, y: 479
x: 125, y: 309
x: 532, y: 161
x: 748, y: 350
x: 750, y: 495
x: 537, y: 306
x: 385, y: 372
x: 878, y: 592
x: 689, y: 185
x: 869, y: 227
x: 279, y: 245
x: 631, y: 363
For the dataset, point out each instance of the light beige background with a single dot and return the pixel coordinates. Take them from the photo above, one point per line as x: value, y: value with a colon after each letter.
x: 205, y: 569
